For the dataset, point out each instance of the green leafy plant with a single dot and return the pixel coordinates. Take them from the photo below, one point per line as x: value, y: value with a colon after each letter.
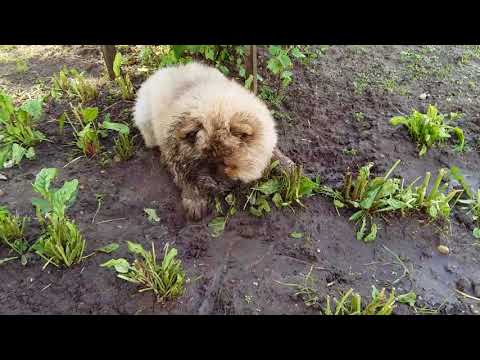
x: 429, y: 129
x: 18, y: 134
x: 280, y: 63
x: 359, y: 116
x: 123, y: 81
x: 88, y: 137
x: 350, y: 303
x: 424, y: 63
x: 166, y: 279
x: 74, y: 84
x: 283, y: 188
x: 12, y: 232
x: 472, y: 201
x: 88, y: 141
x: 124, y: 147
x: 151, y: 215
x: 370, y: 197
x: 61, y: 243
x: 217, y: 224
x: 306, y: 291
x: 53, y: 200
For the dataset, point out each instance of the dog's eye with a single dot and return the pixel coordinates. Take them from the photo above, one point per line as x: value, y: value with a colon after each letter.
x: 191, y: 137
x: 242, y: 131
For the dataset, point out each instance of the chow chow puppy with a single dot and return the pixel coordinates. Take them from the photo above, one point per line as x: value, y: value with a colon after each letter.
x: 210, y: 130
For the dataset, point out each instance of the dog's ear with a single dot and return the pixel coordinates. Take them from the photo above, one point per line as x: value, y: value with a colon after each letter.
x: 243, y: 126
x: 187, y: 127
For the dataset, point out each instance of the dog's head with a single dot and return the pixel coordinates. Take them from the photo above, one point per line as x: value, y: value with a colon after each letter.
x: 236, y: 146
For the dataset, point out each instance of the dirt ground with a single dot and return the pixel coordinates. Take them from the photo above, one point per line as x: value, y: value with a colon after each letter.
x: 240, y: 272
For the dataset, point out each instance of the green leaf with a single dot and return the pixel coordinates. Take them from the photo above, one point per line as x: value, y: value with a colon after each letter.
x: 296, y: 53
x: 42, y: 205
x: 30, y: 154
x: 242, y: 72
x: 178, y: 50
x: 119, y: 127
x: 408, y: 298
x: 151, y: 215
x: 170, y: 255
x: 117, y: 63
x: 476, y: 233
x: 135, y: 248
x: 217, y: 226
x: 277, y: 200
x: 372, y: 235
x: 399, y: 120
x: 423, y: 150
x: 357, y: 215
x: 456, y: 173
x: 361, y: 231
x: 461, y: 138
x: 107, y: 249
x: 18, y: 153
x: 274, y: 50
x: 89, y: 114
x: 262, y: 204
x: 338, y: 204
x: 43, y: 180
x: 296, y: 235
x: 65, y: 196
x: 121, y: 265
x: 269, y: 187
x: 255, y: 212
x: 33, y: 108
x: 368, y: 201
x: 6, y: 107
x: 249, y: 81
x: 306, y: 186
x: 230, y: 199
x: 285, y: 60
x: 274, y: 66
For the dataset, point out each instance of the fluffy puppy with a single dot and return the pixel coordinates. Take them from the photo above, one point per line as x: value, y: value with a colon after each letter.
x: 210, y: 130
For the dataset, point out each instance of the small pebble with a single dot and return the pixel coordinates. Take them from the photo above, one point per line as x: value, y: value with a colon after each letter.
x: 2, y: 192
x: 3, y: 177
x: 444, y: 250
x: 423, y: 96
x: 255, y: 283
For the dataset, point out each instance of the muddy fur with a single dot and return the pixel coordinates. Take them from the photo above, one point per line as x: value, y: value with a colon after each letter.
x: 211, y: 131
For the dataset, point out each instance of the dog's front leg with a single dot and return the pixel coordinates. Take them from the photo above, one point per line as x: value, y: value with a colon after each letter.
x: 194, y: 201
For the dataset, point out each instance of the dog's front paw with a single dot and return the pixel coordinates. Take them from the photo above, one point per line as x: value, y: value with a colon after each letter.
x: 196, y: 208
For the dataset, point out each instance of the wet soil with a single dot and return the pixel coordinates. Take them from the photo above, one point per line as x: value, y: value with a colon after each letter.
x: 241, y: 271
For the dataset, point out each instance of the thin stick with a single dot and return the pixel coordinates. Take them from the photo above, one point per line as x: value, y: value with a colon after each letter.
x: 46, y: 287
x: 467, y: 296
x: 106, y: 221
x: 71, y: 162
